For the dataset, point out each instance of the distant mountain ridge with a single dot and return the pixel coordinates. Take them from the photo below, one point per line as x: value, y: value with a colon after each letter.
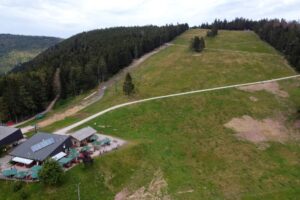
x: 16, y: 49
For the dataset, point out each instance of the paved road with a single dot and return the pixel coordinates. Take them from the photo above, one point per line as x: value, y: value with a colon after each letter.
x: 68, y: 128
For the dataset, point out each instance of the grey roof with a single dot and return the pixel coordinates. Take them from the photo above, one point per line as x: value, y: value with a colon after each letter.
x: 6, y: 131
x: 25, y: 149
x: 84, y: 133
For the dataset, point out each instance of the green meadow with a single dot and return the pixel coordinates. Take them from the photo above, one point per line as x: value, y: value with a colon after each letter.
x: 184, y: 137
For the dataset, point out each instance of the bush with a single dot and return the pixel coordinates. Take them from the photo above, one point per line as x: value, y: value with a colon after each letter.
x: 51, y: 173
x: 213, y: 32
x: 23, y: 195
x: 17, y: 186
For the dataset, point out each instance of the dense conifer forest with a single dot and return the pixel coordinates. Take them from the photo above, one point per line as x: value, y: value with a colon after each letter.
x: 84, y: 61
x: 281, y: 34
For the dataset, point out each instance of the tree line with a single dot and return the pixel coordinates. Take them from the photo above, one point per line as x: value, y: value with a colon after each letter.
x: 84, y: 60
x: 281, y: 34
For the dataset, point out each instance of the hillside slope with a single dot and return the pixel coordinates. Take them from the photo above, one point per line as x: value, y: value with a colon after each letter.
x: 85, y: 60
x: 16, y: 49
x: 186, y: 147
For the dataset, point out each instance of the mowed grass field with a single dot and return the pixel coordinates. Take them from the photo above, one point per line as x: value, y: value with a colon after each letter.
x: 184, y: 137
x: 231, y: 58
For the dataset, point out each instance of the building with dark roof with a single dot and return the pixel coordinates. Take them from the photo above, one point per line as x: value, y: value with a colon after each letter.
x: 41, y: 146
x: 9, y: 135
x: 82, y: 136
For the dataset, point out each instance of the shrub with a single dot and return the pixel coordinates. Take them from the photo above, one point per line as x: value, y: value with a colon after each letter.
x: 17, y: 186
x: 23, y: 195
x: 51, y: 173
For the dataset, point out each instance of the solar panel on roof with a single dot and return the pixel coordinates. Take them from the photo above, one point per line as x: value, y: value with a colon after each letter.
x: 42, y: 144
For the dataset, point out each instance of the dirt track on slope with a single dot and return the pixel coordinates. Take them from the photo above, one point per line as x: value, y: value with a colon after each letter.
x: 100, y: 91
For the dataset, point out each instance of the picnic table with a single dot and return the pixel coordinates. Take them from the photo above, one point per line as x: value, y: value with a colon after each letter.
x: 85, y: 148
x: 21, y: 174
x: 65, y: 160
x: 94, y: 137
x: 9, y: 172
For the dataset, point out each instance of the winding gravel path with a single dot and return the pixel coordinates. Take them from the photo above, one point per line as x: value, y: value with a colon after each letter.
x: 68, y: 128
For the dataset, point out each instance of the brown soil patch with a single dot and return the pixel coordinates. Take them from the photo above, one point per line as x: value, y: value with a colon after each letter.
x: 256, y: 131
x: 122, y: 195
x: 157, y: 189
x: 60, y: 116
x: 197, y: 54
x: 297, y: 124
x: 186, y: 191
x: 272, y: 87
x: 254, y: 99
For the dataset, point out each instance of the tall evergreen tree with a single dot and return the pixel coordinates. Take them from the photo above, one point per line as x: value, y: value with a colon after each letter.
x: 213, y: 32
x: 202, y: 43
x: 128, y: 86
x: 197, y: 44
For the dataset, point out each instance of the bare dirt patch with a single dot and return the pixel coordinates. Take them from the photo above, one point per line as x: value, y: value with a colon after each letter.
x: 297, y: 124
x: 272, y: 87
x: 157, y: 189
x: 186, y: 191
x: 257, y: 131
x: 254, y: 99
x: 197, y: 54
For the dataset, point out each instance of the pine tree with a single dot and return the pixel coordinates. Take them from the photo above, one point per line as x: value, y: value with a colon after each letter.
x: 202, y: 43
x: 197, y: 44
x: 213, y: 32
x: 128, y: 86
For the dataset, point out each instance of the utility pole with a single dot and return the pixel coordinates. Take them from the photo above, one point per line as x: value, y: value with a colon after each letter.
x: 78, y: 191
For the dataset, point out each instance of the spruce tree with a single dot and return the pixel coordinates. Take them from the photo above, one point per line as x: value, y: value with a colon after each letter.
x: 128, y: 86
x: 202, y: 43
x: 197, y: 44
x: 213, y: 32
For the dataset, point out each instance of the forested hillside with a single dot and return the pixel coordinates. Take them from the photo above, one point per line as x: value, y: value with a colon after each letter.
x: 15, y: 49
x: 84, y: 60
x: 281, y: 34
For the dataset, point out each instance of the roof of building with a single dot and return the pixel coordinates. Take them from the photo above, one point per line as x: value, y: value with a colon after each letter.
x: 58, y: 156
x: 22, y: 160
x: 40, y: 146
x: 6, y: 131
x: 84, y: 133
